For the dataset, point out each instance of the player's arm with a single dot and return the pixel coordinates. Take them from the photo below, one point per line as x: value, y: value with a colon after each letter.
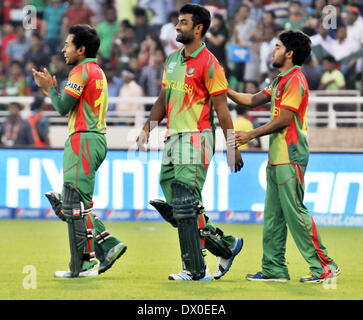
x: 277, y: 124
x: 248, y: 99
x: 157, y: 114
x: 219, y: 102
x: 62, y: 103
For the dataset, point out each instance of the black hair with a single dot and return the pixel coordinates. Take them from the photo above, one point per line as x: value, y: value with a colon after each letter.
x: 329, y: 58
x: 85, y: 35
x: 200, y: 15
x: 299, y: 43
x: 139, y: 11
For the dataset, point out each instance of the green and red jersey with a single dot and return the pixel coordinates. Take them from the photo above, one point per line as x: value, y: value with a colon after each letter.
x: 289, y: 91
x: 189, y: 83
x: 85, y: 98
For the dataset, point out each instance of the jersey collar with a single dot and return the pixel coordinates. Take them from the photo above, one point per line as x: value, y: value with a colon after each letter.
x: 195, y: 53
x: 281, y: 75
x: 88, y: 60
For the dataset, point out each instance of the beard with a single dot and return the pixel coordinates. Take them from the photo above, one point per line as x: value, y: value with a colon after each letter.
x: 184, y: 38
x: 278, y: 64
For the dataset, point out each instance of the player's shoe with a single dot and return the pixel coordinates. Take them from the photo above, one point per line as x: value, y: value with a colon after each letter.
x: 260, y: 277
x: 225, y: 264
x: 311, y: 278
x: 111, y: 256
x: 185, y: 275
x: 82, y: 274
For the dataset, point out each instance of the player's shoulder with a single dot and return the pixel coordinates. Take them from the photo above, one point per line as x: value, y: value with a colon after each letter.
x: 174, y: 54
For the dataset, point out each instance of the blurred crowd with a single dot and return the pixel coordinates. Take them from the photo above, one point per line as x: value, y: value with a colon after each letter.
x: 137, y: 35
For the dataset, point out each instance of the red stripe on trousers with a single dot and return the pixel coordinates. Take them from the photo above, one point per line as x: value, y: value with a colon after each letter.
x: 89, y: 226
x: 201, y: 226
x: 313, y: 241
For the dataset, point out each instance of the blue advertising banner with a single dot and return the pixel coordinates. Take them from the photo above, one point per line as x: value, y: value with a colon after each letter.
x: 237, y: 53
x: 127, y: 180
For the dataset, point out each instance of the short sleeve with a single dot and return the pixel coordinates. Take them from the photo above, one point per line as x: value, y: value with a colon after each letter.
x: 215, y: 78
x: 75, y: 83
x: 267, y: 91
x: 292, y: 95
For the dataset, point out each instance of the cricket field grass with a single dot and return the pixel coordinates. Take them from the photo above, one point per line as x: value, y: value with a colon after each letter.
x: 31, y: 250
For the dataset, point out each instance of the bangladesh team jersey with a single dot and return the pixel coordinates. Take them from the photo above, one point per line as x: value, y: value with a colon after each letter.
x: 189, y: 83
x: 290, y: 91
x: 88, y: 84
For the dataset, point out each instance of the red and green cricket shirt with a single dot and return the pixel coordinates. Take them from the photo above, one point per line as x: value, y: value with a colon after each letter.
x: 87, y: 83
x: 289, y: 91
x: 189, y: 83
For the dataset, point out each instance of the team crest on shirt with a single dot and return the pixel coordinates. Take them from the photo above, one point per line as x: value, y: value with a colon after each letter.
x: 191, y: 71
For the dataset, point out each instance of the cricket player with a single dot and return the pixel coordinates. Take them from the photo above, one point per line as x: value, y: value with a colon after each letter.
x: 193, y: 86
x: 85, y: 100
x: 288, y: 158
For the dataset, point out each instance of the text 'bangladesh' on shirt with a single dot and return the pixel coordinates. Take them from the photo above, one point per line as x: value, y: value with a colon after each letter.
x: 189, y: 83
x: 289, y: 91
x: 87, y: 83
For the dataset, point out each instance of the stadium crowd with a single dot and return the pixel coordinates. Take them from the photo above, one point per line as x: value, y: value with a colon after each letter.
x: 137, y: 35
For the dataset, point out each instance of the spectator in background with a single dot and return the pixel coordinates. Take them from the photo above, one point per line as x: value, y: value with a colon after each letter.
x: 130, y: 89
x: 114, y: 83
x: 232, y: 8
x: 296, y: 19
x: 343, y: 47
x: 151, y: 76
x: 77, y: 13
x: 2, y: 83
x: 38, y: 53
x: 279, y: 8
x: 124, y: 45
x: 8, y: 34
x: 321, y: 42
x: 214, y: 7
x: 147, y: 48
x: 97, y: 7
x: 257, y: 10
x: 354, y: 24
x: 18, y: 47
x: 106, y: 31
x: 29, y: 79
x: 60, y: 70
x: 268, y: 44
x: 39, y: 124
x: 15, y: 131
x: 168, y: 34
x: 52, y: 25
x: 15, y: 83
x: 332, y: 78
x: 157, y: 9
x: 311, y: 74
x: 125, y: 10
x: 268, y: 21
x: 216, y: 39
x: 142, y: 28
x: 244, y: 27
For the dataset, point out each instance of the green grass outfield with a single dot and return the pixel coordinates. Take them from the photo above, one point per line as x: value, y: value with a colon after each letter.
x: 153, y: 253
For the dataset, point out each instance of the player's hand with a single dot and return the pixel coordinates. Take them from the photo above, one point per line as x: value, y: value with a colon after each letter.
x: 43, y: 79
x: 234, y: 159
x: 242, y: 137
x: 142, y: 140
